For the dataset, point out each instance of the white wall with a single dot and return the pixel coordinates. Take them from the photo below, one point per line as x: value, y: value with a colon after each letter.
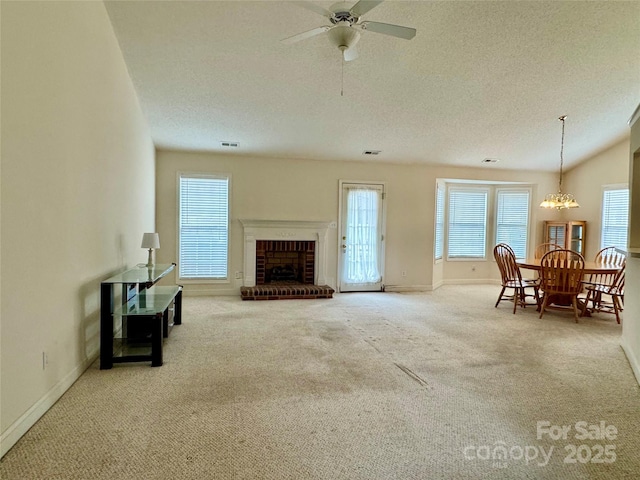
x: 612, y: 166
x: 277, y: 189
x: 586, y: 182
x: 280, y: 189
x: 631, y: 324
x: 78, y: 190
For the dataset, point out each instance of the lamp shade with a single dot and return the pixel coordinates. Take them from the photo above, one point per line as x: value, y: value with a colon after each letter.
x: 150, y: 240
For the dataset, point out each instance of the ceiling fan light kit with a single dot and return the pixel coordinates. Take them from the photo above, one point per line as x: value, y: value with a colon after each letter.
x: 345, y: 28
x: 345, y: 38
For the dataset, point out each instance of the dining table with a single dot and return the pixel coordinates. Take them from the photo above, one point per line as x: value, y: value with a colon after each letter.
x: 590, y: 268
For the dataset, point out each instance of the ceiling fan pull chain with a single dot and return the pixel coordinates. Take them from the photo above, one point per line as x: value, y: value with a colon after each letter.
x: 342, y: 79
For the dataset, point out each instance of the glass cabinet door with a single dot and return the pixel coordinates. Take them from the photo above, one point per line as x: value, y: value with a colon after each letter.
x: 555, y: 234
x: 577, y: 238
x: 569, y: 235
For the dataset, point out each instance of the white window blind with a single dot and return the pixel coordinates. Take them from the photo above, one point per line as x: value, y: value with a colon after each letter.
x: 512, y: 219
x: 439, y: 230
x: 467, y: 223
x: 615, y: 218
x: 203, y: 227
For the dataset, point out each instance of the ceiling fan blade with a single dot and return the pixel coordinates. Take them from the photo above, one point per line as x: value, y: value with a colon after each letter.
x: 387, y: 29
x: 304, y: 35
x: 314, y: 8
x: 350, y: 53
x: 363, y: 6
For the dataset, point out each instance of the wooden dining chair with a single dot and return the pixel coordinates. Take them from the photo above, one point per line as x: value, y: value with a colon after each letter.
x: 611, y: 255
x: 561, y: 273
x: 544, y: 248
x: 512, y: 278
x: 606, y: 298
x: 608, y: 256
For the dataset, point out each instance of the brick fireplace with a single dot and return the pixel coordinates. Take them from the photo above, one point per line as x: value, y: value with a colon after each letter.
x: 284, y: 259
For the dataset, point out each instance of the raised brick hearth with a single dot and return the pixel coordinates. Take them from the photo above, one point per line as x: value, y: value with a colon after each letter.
x: 286, y: 292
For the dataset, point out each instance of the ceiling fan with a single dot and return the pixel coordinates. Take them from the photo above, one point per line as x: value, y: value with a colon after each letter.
x: 346, y: 24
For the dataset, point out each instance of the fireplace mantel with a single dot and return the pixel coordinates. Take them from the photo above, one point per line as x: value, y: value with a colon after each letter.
x: 283, y: 230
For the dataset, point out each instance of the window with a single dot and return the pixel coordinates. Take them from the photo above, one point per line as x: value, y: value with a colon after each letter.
x: 467, y: 222
x: 615, y: 217
x: 512, y: 219
x: 203, y: 230
x: 475, y: 217
x: 439, y: 230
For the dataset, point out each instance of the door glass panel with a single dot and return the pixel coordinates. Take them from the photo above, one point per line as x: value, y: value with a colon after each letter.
x: 361, y: 243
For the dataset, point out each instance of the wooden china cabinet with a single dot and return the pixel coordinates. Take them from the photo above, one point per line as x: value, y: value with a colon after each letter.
x: 570, y: 235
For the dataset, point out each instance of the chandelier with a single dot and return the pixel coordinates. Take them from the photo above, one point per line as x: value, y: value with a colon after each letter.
x: 560, y: 200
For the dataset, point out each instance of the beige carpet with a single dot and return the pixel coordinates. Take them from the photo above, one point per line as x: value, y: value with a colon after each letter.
x: 361, y: 386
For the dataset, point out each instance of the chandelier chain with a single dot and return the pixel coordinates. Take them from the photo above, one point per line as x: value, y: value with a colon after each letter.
x: 560, y: 200
x: 562, y: 118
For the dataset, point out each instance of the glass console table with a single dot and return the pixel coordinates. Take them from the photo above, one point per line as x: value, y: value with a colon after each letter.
x: 135, y: 315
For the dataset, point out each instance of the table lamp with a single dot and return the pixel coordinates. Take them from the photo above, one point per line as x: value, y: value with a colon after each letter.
x: 152, y: 242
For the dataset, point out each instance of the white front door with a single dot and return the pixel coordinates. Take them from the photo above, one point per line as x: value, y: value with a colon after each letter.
x: 361, y: 237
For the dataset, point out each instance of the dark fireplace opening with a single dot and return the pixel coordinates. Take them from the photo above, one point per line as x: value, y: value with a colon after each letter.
x: 284, y: 273
x: 285, y: 262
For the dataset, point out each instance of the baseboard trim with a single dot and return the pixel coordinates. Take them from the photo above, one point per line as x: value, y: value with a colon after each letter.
x: 18, y: 428
x: 233, y: 292
x: 407, y: 288
x: 472, y: 281
x: 633, y: 360
x: 209, y: 292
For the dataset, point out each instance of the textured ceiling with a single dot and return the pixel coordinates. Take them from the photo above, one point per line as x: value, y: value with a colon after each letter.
x: 480, y: 79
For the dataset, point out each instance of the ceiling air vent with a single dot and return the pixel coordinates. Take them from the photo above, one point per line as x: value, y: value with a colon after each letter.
x: 372, y: 152
x: 230, y: 144
x: 490, y: 160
